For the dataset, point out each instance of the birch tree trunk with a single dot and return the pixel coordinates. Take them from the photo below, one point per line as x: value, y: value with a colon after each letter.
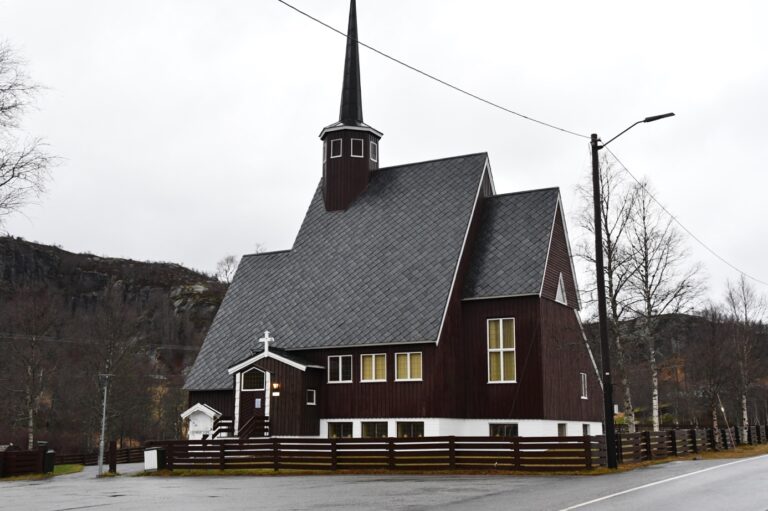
x: 629, y: 411
x: 654, y: 386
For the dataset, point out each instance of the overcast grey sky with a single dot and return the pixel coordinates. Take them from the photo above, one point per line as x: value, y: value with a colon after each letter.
x: 188, y: 129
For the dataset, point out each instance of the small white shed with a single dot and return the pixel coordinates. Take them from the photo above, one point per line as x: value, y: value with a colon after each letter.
x: 201, y: 419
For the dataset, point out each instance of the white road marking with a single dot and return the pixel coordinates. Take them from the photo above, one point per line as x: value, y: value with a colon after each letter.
x: 663, y: 481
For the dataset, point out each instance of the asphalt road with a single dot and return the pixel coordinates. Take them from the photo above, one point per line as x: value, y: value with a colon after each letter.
x: 683, y: 485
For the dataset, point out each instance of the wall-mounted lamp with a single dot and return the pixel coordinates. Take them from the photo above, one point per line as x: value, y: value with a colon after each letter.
x: 275, y: 387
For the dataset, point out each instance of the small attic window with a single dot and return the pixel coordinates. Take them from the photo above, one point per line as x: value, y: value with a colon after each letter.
x: 336, y: 148
x: 560, y: 295
x: 357, y: 148
x: 374, y: 152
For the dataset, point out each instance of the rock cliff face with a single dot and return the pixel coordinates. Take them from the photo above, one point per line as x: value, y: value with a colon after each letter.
x: 175, y: 305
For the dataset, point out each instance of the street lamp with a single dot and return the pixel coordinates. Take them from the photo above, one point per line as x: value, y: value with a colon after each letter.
x: 609, y: 429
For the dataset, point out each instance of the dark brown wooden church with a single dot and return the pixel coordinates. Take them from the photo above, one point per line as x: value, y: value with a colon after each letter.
x: 416, y: 301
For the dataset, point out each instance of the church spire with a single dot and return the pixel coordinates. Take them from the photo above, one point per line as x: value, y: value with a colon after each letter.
x: 351, y: 112
x: 350, y: 147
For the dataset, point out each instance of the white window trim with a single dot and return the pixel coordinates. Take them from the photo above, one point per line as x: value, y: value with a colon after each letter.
x: 373, y: 151
x: 242, y: 380
x: 374, y: 355
x: 408, y: 365
x: 561, y: 291
x: 500, y: 349
x: 325, y: 151
x: 340, y: 143
x: 352, y: 371
x: 313, y: 402
x: 352, y: 148
x: 584, y: 392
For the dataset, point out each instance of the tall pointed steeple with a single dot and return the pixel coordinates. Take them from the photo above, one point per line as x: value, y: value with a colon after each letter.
x: 351, y: 111
x: 350, y: 147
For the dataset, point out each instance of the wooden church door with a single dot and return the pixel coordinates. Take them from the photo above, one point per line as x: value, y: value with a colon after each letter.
x: 254, y: 397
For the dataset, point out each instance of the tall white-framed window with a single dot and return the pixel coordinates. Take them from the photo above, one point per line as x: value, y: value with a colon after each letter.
x: 374, y: 151
x: 252, y: 380
x: 583, y: 377
x: 373, y: 368
x: 336, y: 148
x: 560, y: 294
x: 340, y: 369
x: 408, y: 366
x: 311, y: 397
x: 357, y: 148
x: 502, y: 357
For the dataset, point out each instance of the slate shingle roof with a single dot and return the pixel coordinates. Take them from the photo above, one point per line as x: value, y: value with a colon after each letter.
x: 379, y: 272
x: 511, y: 247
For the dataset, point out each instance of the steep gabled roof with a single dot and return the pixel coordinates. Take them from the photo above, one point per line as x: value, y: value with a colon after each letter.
x: 510, y: 254
x: 378, y: 273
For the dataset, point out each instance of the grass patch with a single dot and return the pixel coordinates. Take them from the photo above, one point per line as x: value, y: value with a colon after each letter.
x: 742, y: 451
x: 58, y: 470
x: 289, y: 472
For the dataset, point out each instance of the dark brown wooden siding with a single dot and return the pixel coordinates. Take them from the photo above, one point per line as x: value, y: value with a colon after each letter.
x: 220, y: 400
x: 559, y: 261
x: 289, y: 414
x: 564, y: 356
x: 523, y: 399
x: 345, y: 178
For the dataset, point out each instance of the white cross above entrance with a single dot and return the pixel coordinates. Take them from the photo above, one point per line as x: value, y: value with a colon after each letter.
x: 266, y: 340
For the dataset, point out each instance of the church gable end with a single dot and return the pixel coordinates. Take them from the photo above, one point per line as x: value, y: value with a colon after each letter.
x: 559, y: 268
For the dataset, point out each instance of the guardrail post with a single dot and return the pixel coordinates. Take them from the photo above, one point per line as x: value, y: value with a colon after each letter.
x: 452, y: 452
x: 648, y: 447
x: 390, y: 454
x: 588, y: 452
x: 275, y: 454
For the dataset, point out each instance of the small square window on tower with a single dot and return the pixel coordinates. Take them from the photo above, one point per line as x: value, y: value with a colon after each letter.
x: 357, y: 148
x: 336, y: 148
x: 374, y: 151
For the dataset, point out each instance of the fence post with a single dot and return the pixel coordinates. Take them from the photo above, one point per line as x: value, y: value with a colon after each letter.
x: 112, y: 456
x: 390, y: 454
x: 673, y: 441
x: 275, y: 454
x: 619, y: 448
x: 694, y: 440
x: 452, y: 452
x: 588, y: 451
x: 516, y: 448
x: 222, y: 458
x: 334, y: 460
x: 648, y: 448
x: 169, y: 456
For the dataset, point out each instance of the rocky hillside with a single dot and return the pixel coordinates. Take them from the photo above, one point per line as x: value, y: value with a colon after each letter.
x: 175, y: 305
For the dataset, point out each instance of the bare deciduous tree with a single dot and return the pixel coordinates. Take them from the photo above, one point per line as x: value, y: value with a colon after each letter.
x: 24, y: 164
x: 747, y: 309
x: 617, y: 202
x: 226, y: 268
x: 660, y: 281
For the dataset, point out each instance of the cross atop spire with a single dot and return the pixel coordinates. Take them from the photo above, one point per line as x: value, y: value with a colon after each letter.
x: 351, y: 112
x: 266, y: 340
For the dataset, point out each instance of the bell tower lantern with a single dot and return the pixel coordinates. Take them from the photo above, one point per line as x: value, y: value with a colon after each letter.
x: 350, y: 147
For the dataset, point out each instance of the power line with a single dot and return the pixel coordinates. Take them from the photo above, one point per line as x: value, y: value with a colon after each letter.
x: 683, y: 227
x: 433, y: 77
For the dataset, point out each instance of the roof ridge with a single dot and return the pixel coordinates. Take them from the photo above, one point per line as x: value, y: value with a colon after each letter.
x: 436, y: 159
x: 272, y: 252
x: 525, y: 191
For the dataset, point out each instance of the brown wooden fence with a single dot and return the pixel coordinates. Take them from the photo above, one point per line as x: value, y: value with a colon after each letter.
x: 431, y: 453
x: 13, y: 463
x: 128, y: 455
x: 636, y: 447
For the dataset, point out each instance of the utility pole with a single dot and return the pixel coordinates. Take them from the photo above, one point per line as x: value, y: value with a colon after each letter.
x: 609, y: 429
x: 103, y: 421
